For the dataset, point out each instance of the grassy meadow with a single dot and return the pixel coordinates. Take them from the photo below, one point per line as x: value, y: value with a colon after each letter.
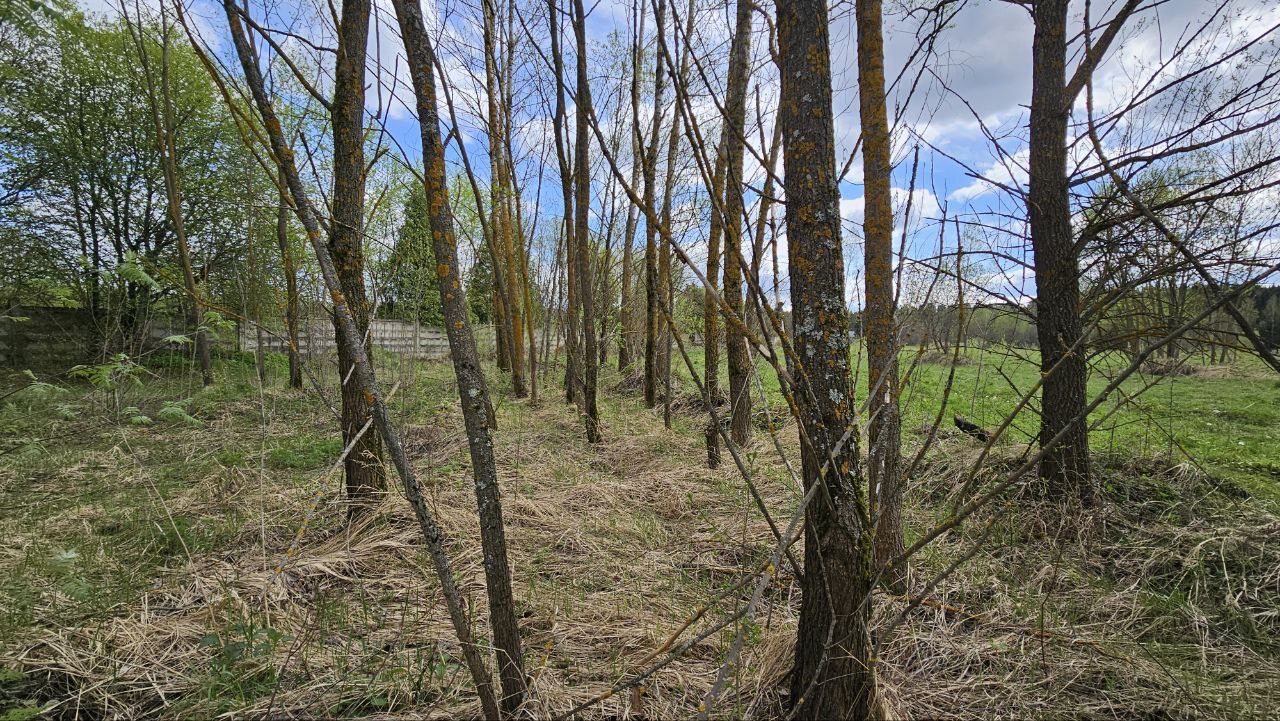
x: 144, y: 525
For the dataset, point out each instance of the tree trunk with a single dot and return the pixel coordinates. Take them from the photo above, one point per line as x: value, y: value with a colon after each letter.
x: 363, y: 467
x: 466, y: 365
x: 253, y: 295
x: 572, y: 380
x: 626, y: 340
x: 626, y: 316
x: 291, y: 286
x: 834, y: 675
x: 582, y: 202
x: 501, y: 222
x: 414, y: 32
x: 759, y: 303
x: 711, y: 307
x: 885, y: 428
x: 1065, y: 469
x: 166, y: 138
x: 739, y: 359
x: 651, y: 288
x: 520, y: 245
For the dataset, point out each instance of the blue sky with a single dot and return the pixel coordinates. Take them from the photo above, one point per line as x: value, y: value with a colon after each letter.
x: 966, y: 116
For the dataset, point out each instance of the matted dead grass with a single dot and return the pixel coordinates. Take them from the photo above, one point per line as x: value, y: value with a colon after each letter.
x: 615, y: 546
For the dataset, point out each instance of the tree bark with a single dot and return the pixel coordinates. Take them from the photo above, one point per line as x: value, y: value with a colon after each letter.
x: 572, y: 380
x: 582, y: 203
x: 501, y: 222
x: 291, y: 286
x: 1065, y: 469
x: 652, y: 303
x: 363, y: 468
x: 739, y: 359
x: 626, y: 339
x: 166, y: 139
x: 834, y: 675
x: 885, y: 427
x: 472, y: 389
x: 363, y: 370
x: 711, y: 307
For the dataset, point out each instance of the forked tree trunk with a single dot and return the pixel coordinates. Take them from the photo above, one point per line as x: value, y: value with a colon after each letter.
x: 834, y: 675
x: 885, y: 428
x: 363, y: 468
x: 519, y: 243
x: 506, y: 270
x: 166, y: 137
x: 1065, y: 469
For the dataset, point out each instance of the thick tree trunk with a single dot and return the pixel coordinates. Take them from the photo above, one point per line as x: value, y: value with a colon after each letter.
x: 880, y: 328
x: 739, y: 359
x: 472, y: 388
x: 1065, y: 469
x: 834, y: 675
x: 582, y: 202
x: 363, y: 467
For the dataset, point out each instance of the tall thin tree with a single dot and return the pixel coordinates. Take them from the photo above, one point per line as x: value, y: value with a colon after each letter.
x: 160, y: 100
x: 884, y: 427
x: 738, y: 357
x: 581, y: 232
x: 653, y: 314
x: 627, y: 315
x: 572, y: 379
x: 363, y: 372
x: 289, y: 269
x: 711, y: 308
x: 472, y: 388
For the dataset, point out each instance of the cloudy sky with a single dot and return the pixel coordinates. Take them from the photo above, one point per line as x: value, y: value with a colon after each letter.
x: 965, y: 116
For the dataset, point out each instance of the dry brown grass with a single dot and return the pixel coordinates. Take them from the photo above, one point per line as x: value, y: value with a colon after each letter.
x: 615, y: 546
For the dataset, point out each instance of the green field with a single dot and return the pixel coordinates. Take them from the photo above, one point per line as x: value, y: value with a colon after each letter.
x: 1225, y: 419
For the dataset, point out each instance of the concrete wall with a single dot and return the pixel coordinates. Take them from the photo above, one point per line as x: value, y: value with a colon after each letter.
x: 59, y: 338
x: 315, y: 336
